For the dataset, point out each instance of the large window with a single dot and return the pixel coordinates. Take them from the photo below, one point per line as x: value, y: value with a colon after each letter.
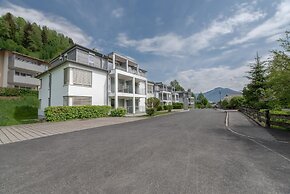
x: 77, y: 100
x: 81, y: 100
x: 66, y: 76
x: 82, y: 77
x: 65, y: 101
x: 79, y: 77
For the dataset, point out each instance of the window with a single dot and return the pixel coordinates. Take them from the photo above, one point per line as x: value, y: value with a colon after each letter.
x: 65, y: 100
x: 40, y: 85
x: 66, y: 76
x: 82, y: 77
x: 81, y: 100
x: 17, y: 73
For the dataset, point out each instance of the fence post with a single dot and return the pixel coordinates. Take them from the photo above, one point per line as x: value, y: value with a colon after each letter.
x: 267, y: 116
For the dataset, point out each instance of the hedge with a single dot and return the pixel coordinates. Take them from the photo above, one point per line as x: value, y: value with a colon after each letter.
x: 17, y: 92
x: 169, y: 108
x: 62, y: 113
x: 177, y: 105
x: 119, y: 112
x: 150, y: 111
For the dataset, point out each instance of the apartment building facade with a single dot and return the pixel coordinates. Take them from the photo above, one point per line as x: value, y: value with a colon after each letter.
x: 19, y: 70
x: 81, y: 76
x: 165, y: 93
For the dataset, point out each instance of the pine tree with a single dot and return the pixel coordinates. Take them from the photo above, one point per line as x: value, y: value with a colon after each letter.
x: 255, y: 91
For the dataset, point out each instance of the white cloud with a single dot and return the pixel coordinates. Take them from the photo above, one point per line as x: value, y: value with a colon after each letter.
x: 178, y: 45
x: 204, y: 79
x: 117, y: 13
x: 54, y: 22
x: 275, y: 25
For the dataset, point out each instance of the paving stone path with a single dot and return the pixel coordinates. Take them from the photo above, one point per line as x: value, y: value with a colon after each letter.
x: 10, y: 134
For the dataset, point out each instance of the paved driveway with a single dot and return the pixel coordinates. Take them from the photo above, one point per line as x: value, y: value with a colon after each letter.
x: 11, y: 134
x: 189, y: 152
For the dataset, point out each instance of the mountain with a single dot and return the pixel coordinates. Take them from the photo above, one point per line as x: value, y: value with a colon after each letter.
x: 216, y: 94
x: 17, y: 34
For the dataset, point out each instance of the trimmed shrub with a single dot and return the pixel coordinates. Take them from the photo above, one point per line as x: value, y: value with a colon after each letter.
x: 17, y: 92
x: 119, y: 112
x: 169, y: 108
x: 165, y: 107
x: 177, y: 105
x: 62, y: 113
x: 150, y: 111
x: 159, y: 108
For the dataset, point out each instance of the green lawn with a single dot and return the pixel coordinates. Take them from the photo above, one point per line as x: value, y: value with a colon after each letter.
x: 20, y: 110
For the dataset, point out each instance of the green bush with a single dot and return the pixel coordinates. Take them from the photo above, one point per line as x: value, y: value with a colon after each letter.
x: 152, y: 102
x: 62, y: 113
x: 177, y: 105
x: 159, y: 108
x: 165, y: 107
x: 119, y: 112
x: 17, y: 92
x: 169, y: 108
x: 150, y: 111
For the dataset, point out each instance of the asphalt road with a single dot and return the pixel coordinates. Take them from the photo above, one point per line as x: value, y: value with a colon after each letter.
x: 189, y: 152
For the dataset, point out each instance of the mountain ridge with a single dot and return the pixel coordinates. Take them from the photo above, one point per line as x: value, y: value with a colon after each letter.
x: 218, y: 93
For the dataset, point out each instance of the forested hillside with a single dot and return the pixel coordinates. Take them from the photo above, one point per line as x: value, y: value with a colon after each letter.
x: 16, y: 34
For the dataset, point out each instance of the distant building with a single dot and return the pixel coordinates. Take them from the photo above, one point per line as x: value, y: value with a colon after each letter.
x: 186, y: 97
x: 19, y: 70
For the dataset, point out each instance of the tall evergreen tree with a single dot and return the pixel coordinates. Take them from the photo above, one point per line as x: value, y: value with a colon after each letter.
x: 279, y: 75
x: 255, y: 91
x: 176, y: 85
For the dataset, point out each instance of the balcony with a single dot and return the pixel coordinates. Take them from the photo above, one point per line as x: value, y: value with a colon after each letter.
x: 125, y: 89
x: 140, y: 91
x: 21, y: 80
x: 27, y: 65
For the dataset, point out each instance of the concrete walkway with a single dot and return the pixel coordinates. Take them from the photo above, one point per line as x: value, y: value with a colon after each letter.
x: 10, y: 134
x: 243, y: 125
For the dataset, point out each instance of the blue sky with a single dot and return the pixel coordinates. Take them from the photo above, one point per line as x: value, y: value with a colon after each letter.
x: 201, y: 43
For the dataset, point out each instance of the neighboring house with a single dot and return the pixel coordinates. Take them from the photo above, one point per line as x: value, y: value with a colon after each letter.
x: 164, y: 93
x: 150, y: 89
x: 81, y: 76
x: 186, y: 98
x: 19, y: 70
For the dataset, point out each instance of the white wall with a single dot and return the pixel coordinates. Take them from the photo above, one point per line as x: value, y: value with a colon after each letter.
x: 98, y: 91
x: 58, y: 89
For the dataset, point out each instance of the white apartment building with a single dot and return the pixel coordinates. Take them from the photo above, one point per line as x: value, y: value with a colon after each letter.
x: 127, y: 84
x: 19, y: 70
x: 81, y: 76
x: 166, y: 94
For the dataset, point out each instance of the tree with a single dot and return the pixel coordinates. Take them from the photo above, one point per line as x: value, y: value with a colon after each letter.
x: 152, y: 102
x: 176, y: 85
x: 16, y: 34
x: 201, y: 101
x: 279, y: 75
x: 236, y: 102
x: 254, y: 92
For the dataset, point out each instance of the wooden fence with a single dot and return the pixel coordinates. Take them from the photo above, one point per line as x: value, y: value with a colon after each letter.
x: 267, y: 119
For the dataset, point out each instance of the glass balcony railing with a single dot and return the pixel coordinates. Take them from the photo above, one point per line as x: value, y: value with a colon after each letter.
x: 125, y: 89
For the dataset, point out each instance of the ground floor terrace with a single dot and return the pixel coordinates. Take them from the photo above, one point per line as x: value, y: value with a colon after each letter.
x: 133, y: 105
